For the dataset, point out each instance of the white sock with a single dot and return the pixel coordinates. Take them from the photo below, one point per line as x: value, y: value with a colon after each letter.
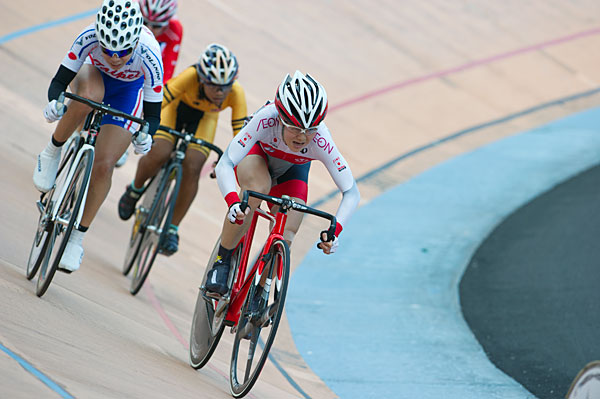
x: 76, y: 237
x: 51, y: 149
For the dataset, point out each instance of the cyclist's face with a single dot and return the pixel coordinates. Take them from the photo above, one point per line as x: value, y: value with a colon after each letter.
x: 296, y: 139
x: 115, y: 61
x: 216, y: 93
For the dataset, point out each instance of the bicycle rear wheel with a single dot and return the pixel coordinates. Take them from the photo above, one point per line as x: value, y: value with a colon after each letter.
x: 154, y: 232
x: 68, y: 210
x: 207, y: 327
x: 259, y: 320
x: 135, y: 239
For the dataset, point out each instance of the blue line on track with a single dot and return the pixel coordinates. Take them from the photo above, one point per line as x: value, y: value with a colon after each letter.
x: 46, y: 25
x: 375, y: 172
x: 38, y: 374
x: 284, y: 373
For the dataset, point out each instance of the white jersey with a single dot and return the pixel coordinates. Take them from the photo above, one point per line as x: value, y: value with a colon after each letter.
x: 145, y: 62
x: 265, y: 129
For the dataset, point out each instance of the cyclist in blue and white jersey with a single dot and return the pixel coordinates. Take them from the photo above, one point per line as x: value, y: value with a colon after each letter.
x: 115, y: 60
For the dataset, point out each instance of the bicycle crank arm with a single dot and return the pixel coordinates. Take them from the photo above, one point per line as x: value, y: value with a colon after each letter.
x: 222, y: 306
x: 265, y: 316
x: 245, y: 331
x: 223, y: 301
x: 63, y: 221
x: 41, y: 207
x: 154, y: 229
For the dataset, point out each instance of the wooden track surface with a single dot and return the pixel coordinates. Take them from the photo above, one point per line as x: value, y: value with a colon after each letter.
x: 399, y: 75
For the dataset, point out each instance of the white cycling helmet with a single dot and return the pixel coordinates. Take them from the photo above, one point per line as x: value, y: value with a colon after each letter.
x: 158, y: 12
x: 217, y: 65
x: 301, y: 100
x: 118, y: 24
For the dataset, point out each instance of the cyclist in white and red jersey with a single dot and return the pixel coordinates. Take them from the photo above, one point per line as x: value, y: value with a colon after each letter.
x: 159, y: 17
x: 272, y: 153
x: 115, y: 60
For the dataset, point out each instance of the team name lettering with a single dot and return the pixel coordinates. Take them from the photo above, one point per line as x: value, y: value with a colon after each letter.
x: 152, y: 63
x: 267, y: 122
x: 322, y: 143
x: 127, y: 74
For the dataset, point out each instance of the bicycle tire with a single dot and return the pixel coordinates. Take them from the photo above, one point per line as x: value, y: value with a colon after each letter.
x: 39, y: 247
x: 206, y: 331
x: 41, y: 239
x: 160, y: 217
x: 139, y: 225
x: 69, y: 207
x: 268, y: 314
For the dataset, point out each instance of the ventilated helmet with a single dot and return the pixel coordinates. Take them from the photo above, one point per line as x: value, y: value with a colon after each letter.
x: 217, y: 65
x: 158, y: 12
x: 301, y: 100
x: 118, y: 24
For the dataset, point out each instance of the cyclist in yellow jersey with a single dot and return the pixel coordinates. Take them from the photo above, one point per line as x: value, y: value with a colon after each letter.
x: 192, y: 101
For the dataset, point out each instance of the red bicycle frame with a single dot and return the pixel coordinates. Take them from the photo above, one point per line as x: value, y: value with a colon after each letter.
x: 242, y: 282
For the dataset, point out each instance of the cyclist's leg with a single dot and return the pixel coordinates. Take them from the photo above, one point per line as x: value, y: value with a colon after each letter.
x: 253, y: 174
x: 110, y: 144
x: 192, y: 166
x: 294, y: 183
x: 150, y: 164
x: 87, y: 83
x: 204, y: 126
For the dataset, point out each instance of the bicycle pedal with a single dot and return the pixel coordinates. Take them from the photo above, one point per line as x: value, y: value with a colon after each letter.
x: 209, y: 296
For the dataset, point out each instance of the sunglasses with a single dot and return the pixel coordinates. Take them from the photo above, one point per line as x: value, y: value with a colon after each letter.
x: 216, y: 85
x: 298, y: 130
x: 119, y: 53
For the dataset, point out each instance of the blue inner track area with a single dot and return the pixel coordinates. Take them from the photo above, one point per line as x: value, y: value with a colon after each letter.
x: 381, y: 318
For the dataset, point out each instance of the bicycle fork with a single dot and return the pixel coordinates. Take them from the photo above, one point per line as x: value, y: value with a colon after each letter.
x: 49, y: 210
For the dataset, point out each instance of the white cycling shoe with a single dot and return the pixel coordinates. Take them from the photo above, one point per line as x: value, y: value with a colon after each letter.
x: 123, y: 159
x: 71, y: 259
x: 46, y: 167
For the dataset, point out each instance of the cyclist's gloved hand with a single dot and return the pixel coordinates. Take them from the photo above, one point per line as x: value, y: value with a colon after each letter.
x: 54, y: 111
x: 142, y: 143
x: 235, y: 214
x: 328, y: 247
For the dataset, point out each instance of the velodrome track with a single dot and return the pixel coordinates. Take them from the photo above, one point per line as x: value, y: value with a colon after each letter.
x: 410, y: 86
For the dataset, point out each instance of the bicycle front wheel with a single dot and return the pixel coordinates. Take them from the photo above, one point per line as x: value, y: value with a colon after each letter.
x: 41, y: 240
x: 39, y: 247
x: 155, y: 230
x: 259, y: 320
x: 68, y: 211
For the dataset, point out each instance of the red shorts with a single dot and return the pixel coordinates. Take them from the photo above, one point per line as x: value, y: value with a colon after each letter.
x: 293, y: 182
